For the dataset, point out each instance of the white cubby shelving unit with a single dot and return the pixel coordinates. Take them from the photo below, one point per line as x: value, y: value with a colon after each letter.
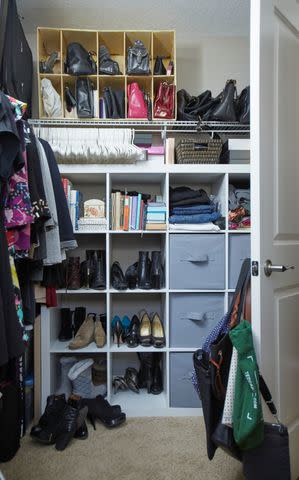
x: 155, y: 177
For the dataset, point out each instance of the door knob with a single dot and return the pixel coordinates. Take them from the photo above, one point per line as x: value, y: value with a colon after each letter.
x: 269, y: 268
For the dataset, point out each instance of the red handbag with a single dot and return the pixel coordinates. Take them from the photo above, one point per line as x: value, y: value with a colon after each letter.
x: 164, y: 101
x: 137, y: 107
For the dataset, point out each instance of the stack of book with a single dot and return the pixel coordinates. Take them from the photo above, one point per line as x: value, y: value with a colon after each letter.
x: 156, y: 216
x: 73, y: 198
x: 128, y: 212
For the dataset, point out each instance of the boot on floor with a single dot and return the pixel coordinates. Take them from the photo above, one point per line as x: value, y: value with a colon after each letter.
x: 80, y: 376
x: 66, y: 328
x: 65, y: 386
x: 99, y: 408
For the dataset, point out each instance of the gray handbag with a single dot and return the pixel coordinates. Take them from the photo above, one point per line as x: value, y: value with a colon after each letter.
x: 138, y: 59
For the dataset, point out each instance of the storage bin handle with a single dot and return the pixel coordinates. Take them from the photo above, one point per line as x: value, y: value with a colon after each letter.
x: 196, y: 259
x: 195, y: 316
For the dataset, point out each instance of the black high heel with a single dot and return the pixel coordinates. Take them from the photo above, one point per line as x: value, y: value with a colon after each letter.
x: 117, y: 332
x: 132, y: 337
x: 100, y: 409
x: 131, y: 276
x: 118, y: 280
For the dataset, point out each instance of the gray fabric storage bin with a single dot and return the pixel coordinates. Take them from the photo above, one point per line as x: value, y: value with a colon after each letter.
x: 238, y: 250
x: 182, y: 391
x: 197, y: 261
x: 192, y: 316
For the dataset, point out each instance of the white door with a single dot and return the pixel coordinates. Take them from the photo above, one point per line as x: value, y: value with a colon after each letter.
x: 275, y: 202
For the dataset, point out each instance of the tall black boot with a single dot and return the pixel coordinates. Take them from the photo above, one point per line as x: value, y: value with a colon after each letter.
x: 100, y: 278
x: 143, y: 273
x: 145, y: 375
x: 66, y: 329
x: 157, y: 273
x: 79, y: 317
x: 157, y: 381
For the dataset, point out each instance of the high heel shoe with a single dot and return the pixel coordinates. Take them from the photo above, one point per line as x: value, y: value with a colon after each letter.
x: 132, y: 337
x: 144, y: 266
x: 131, y: 379
x: 118, y: 280
x: 145, y: 331
x: 158, y: 333
x: 131, y: 276
x: 156, y: 274
x: 157, y: 382
x: 117, y: 330
x: 99, y: 408
x: 145, y: 371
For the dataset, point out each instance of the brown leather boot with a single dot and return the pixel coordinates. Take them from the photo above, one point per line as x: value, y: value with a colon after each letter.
x: 85, y: 334
x: 73, y: 273
x: 99, y: 334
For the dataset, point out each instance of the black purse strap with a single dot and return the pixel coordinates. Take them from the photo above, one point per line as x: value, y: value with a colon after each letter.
x: 266, y: 394
x: 241, y: 289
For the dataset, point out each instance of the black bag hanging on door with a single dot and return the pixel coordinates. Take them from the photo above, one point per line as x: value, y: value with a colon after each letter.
x: 16, y: 68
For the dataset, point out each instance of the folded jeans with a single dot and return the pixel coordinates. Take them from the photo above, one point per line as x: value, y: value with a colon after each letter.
x: 197, y: 218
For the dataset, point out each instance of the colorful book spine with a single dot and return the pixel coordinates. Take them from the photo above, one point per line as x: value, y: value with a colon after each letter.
x: 126, y: 213
x: 134, y: 212
x: 141, y: 214
x: 117, y: 210
x: 138, y: 211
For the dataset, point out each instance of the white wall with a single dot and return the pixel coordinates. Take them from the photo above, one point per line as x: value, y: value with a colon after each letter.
x: 204, y: 64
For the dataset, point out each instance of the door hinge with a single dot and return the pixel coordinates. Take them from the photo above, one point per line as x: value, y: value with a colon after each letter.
x: 255, y: 268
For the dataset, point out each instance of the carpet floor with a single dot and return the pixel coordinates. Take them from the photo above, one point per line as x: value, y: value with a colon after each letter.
x: 168, y: 448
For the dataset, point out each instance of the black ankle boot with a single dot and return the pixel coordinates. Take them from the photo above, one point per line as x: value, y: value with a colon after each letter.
x: 131, y: 276
x: 143, y: 272
x: 66, y: 329
x: 145, y: 375
x: 96, y: 269
x: 157, y: 382
x: 79, y: 317
x: 72, y: 419
x: 48, y: 420
x: 156, y: 271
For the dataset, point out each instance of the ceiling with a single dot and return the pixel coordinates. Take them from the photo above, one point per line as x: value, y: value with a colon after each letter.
x: 190, y: 18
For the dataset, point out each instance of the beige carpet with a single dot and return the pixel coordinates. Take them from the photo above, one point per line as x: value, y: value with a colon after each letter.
x: 142, y: 449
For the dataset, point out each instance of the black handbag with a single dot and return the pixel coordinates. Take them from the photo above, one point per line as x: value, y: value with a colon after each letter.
x: 107, y: 66
x: 271, y: 460
x: 192, y: 108
x: 243, y: 106
x: 70, y: 100
x: 114, y: 103
x: 138, y: 59
x: 159, y: 68
x: 84, y: 98
x: 223, y: 437
x: 225, y: 109
x: 79, y: 61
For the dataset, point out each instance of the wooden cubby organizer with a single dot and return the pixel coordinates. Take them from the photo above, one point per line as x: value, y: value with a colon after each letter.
x: 158, y: 42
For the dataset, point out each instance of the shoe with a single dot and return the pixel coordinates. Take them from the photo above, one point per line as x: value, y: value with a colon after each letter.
x: 73, y: 273
x: 158, y: 333
x: 156, y: 274
x: 157, y: 382
x: 131, y: 379
x: 66, y: 329
x: 119, y: 383
x: 143, y: 272
x: 145, y: 331
x: 96, y: 269
x: 118, y: 280
x: 72, y: 418
x: 80, y: 376
x: 125, y: 321
x: 46, y: 423
x: 132, y: 337
x: 99, y: 408
x: 85, y: 334
x: 131, y: 276
x: 145, y: 372
x: 79, y: 317
x: 99, y: 334
x: 65, y: 387
x: 117, y: 330
x: 82, y: 432
x: 103, y: 318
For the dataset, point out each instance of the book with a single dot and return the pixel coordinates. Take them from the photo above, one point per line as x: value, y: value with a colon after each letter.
x: 155, y: 226
x: 117, y: 210
x: 141, y: 215
x: 65, y: 186
x: 131, y: 212
x: 126, y: 212
x: 138, y: 211
x: 74, y: 208
x: 134, y: 213
x: 156, y: 216
x: 121, y: 222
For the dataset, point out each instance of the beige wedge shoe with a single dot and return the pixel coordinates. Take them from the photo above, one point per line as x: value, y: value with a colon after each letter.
x: 85, y: 334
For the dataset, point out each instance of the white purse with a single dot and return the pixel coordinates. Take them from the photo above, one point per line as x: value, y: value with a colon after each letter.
x: 51, y: 99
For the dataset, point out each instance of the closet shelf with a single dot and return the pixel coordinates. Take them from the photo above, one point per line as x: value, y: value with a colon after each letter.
x: 138, y: 290
x: 80, y: 291
x: 62, y: 347
x: 133, y: 403
x: 244, y: 230
x: 125, y: 349
x: 138, y: 232
x: 195, y: 291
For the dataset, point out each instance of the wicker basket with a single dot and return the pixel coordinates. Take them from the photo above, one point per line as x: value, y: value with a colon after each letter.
x: 191, y: 150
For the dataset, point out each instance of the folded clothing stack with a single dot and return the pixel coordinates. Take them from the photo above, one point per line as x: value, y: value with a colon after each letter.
x: 239, y: 208
x: 191, y: 207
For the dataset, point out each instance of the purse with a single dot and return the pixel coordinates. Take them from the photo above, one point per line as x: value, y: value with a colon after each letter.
x: 192, y: 108
x: 70, y: 100
x: 137, y: 107
x: 79, y: 61
x: 271, y: 460
x: 138, y: 59
x: 159, y: 68
x: 225, y: 111
x: 114, y: 103
x: 165, y: 101
x: 107, y: 66
x: 243, y: 106
x: 84, y: 98
x: 51, y: 99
